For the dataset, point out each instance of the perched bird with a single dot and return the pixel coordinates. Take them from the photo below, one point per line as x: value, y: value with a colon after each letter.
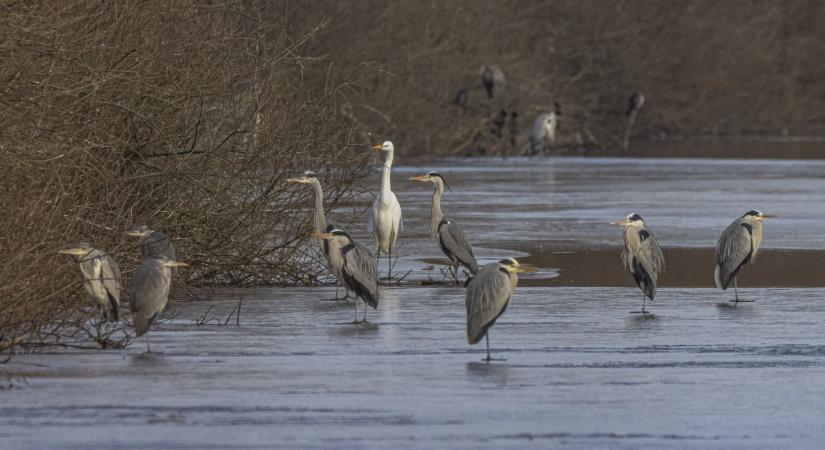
x: 385, y: 215
x: 153, y: 243
x: 642, y: 256
x: 334, y: 262
x: 544, y: 130
x: 449, y: 235
x: 101, y: 278
x: 493, y: 79
x: 359, y: 272
x: 635, y: 102
x: 150, y: 292
x: 488, y: 295
x: 738, y: 246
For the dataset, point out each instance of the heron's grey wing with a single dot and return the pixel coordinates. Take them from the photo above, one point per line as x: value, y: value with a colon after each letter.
x: 651, y: 259
x: 733, y: 249
x: 360, y: 266
x: 149, y: 293
x: 487, y: 297
x: 110, y: 276
x: 452, y: 238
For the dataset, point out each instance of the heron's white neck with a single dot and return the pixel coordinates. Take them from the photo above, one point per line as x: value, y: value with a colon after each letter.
x: 320, y: 220
x: 386, y: 189
x: 437, y: 214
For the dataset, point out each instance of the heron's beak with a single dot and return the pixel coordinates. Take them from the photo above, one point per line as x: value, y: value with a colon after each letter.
x: 378, y: 146
x: 74, y: 251
x: 523, y: 268
x: 175, y: 264
x: 420, y: 178
x: 768, y: 216
x: 298, y: 180
x: 134, y: 233
x: 622, y: 222
x: 321, y: 235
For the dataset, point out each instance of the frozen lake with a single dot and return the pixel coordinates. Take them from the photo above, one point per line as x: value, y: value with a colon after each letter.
x: 580, y: 371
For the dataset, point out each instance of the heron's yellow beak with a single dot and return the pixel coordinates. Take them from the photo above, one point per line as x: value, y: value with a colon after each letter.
x: 768, y: 216
x: 321, y: 235
x: 622, y: 222
x: 74, y: 251
x: 298, y: 180
x: 420, y: 178
x: 522, y: 268
x: 175, y: 264
x: 378, y: 146
x: 134, y: 233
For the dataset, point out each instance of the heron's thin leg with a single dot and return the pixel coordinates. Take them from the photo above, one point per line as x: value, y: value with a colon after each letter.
x: 355, y: 320
x: 148, y: 348
x: 389, y: 266
x: 366, y: 307
x: 487, y: 338
x: 644, y: 299
x: 736, y: 290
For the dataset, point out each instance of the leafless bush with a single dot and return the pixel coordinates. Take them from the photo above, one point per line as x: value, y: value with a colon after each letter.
x: 187, y: 116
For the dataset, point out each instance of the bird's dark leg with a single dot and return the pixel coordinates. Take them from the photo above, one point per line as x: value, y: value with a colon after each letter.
x: 735, y: 290
x: 366, y: 307
x: 355, y: 320
x: 389, y: 266
x: 454, y: 271
x: 148, y: 349
x: 487, y: 338
x: 644, y: 299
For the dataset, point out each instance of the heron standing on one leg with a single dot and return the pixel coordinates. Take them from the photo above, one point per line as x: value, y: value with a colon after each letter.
x: 150, y: 292
x: 738, y: 246
x: 385, y: 215
x: 101, y: 278
x: 488, y: 295
x: 334, y: 262
x: 642, y: 256
x: 359, y: 272
x: 544, y: 130
x: 449, y: 235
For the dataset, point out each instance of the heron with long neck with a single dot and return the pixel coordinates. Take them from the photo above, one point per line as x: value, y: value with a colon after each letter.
x: 334, y: 262
x: 449, y: 235
x: 385, y: 215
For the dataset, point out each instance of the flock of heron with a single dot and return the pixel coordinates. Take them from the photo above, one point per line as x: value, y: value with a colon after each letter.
x: 488, y: 288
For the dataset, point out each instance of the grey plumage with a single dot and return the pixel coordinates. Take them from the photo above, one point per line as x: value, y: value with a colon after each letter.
x: 492, y: 77
x: 642, y: 255
x: 737, y: 246
x: 101, y: 278
x: 154, y: 243
x: 149, y: 294
x: 450, y: 236
x: 359, y: 272
x: 543, y: 132
x: 488, y: 295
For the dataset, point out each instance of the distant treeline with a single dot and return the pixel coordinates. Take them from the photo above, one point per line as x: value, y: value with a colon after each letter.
x: 706, y: 67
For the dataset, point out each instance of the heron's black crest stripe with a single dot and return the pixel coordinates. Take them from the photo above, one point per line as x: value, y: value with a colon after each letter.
x: 635, y: 217
x: 754, y: 213
x: 643, y: 235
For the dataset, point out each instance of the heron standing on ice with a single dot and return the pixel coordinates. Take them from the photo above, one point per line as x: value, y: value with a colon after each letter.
x: 385, y: 215
x: 642, y: 256
x: 737, y: 247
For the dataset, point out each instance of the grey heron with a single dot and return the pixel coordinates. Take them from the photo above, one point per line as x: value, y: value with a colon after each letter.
x: 634, y: 103
x: 544, y: 130
x: 488, y: 295
x: 101, y: 277
x: 334, y: 262
x: 149, y: 294
x: 642, y: 255
x: 450, y: 237
x: 737, y: 247
x: 385, y: 215
x: 493, y: 79
x: 153, y: 243
x: 359, y: 272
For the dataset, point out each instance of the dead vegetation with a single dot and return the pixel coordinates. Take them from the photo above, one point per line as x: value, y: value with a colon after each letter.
x: 188, y: 116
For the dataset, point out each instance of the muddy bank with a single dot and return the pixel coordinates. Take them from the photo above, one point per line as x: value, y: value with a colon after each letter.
x: 686, y: 267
